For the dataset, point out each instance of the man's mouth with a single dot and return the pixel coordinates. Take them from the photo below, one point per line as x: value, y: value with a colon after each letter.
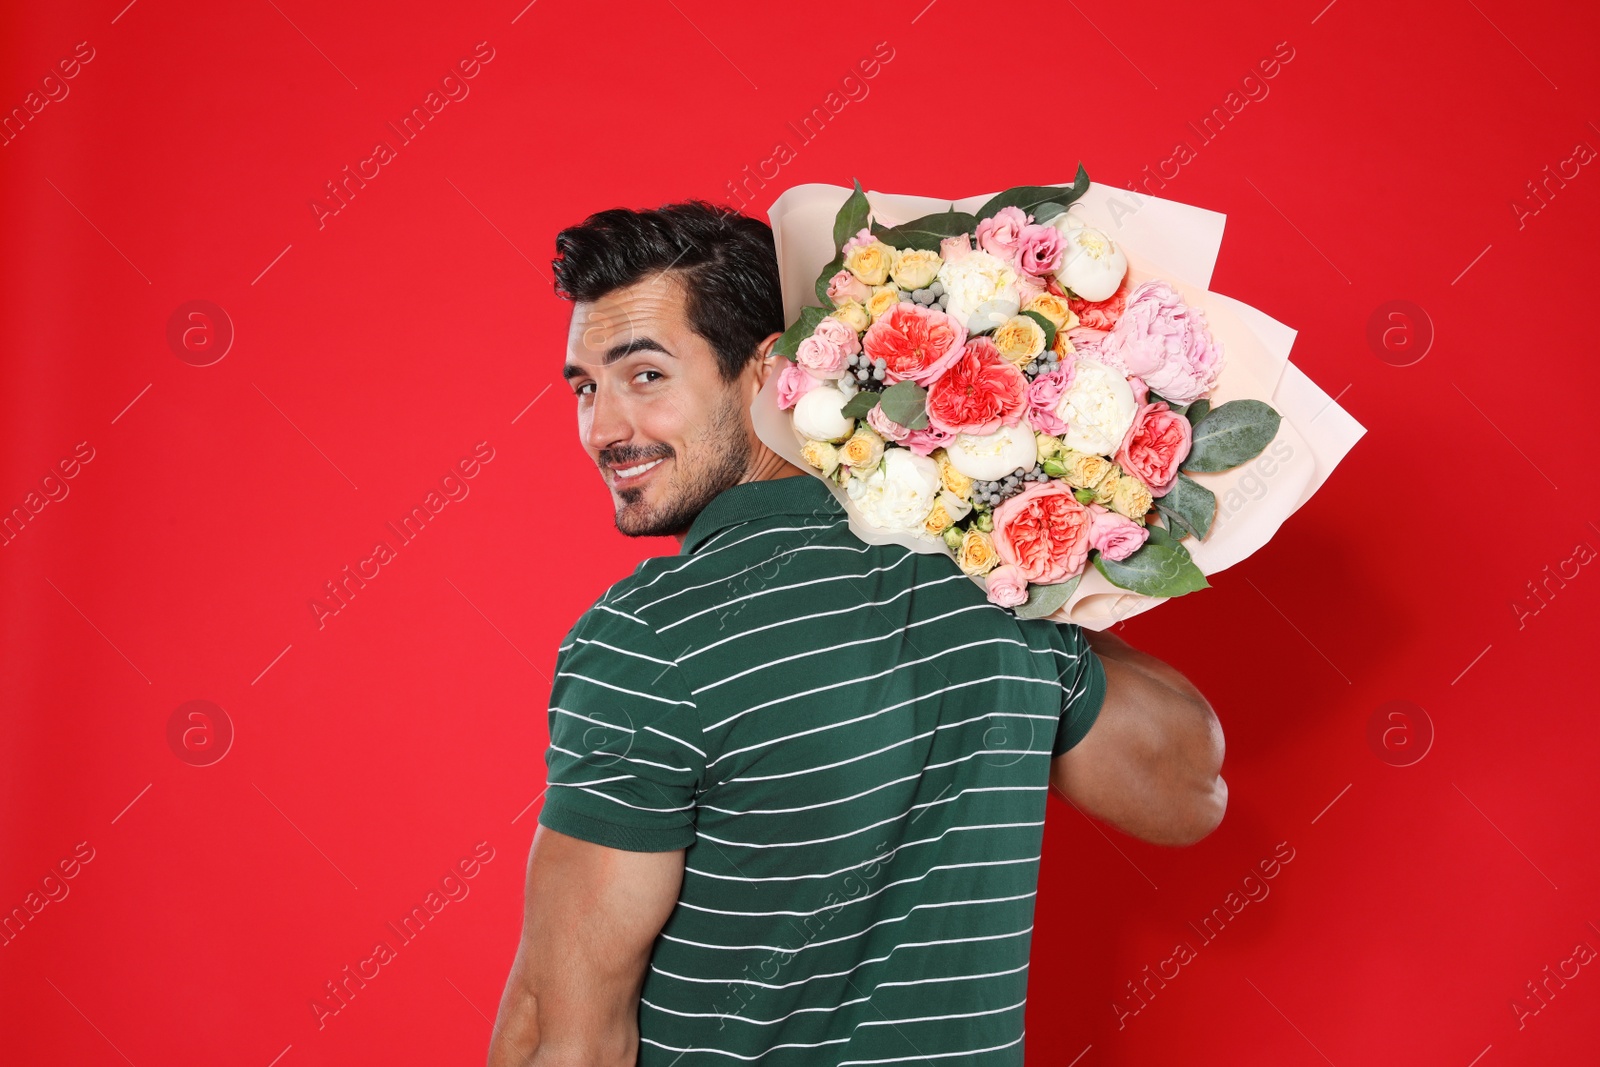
x: 628, y: 477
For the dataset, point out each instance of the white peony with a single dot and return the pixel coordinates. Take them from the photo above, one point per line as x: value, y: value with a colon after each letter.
x: 816, y: 415
x: 983, y: 291
x: 1092, y: 266
x: 1098, y: 407
x: 899, y: 493
x: 986, y: 457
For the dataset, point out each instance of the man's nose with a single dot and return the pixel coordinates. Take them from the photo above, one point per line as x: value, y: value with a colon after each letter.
x: 609, y: 424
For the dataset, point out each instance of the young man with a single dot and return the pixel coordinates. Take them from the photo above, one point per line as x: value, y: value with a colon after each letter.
x: 797, y: 783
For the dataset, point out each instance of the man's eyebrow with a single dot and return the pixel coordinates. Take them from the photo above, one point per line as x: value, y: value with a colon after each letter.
x: 616, y: 352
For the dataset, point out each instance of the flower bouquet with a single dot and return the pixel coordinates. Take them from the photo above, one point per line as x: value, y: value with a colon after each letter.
x: 1086, y: 433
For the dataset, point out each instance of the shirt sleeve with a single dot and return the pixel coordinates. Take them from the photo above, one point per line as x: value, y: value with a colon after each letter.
x: 1083, y: 689
x: 624, y: 761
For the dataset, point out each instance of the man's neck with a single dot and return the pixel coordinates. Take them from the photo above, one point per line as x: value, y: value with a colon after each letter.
x: 765, y: 466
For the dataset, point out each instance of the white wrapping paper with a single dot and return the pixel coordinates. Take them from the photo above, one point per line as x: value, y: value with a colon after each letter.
x: 1162, y: 239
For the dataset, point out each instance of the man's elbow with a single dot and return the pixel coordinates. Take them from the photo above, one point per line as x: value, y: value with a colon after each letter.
x: 1208, y: 799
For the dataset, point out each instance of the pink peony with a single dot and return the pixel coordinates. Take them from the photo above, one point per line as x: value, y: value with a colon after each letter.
x: 1102, y: 314
x: 1164, y: 341
x: 981, y: 392
x: 1000, y: 234
x: 1115, y: 536
x: 915, y: 342
x: 846, y: 286
x: 1044, y: 532
x: 1044, y: 393
x: 1156, y: 443
x: 794, y: 383
x: 1007, y: 587
x: 824, y: 352
x: 1039, y: 250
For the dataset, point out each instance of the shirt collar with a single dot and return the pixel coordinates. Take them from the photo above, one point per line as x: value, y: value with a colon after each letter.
x: 798, y: 494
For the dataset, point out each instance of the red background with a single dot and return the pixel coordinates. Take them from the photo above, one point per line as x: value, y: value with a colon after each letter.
x: 371, y: 354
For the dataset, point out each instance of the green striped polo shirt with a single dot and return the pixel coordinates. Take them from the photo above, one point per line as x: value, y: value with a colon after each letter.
x: 853, y: 745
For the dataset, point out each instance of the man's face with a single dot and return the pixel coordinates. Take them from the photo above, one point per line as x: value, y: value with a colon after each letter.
x: 667, y: 433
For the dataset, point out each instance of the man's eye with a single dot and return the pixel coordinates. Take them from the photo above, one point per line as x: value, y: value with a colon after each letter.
x: 657, y: 373
x: 579, y: 391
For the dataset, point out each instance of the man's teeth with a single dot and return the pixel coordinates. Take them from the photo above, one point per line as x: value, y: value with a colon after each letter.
x: 629, y: 472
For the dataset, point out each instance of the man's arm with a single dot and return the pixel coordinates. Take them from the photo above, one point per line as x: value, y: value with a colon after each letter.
x: 1151, y: 763
x: 590, y: 918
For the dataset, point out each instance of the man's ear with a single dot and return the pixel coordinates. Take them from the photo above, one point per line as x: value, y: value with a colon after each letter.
x: 767, y: 361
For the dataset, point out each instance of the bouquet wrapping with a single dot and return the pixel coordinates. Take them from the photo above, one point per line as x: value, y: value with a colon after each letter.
x: 1040, y: 383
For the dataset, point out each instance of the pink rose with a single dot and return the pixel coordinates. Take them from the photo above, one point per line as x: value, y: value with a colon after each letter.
x: 1044, y: 532
x: 1044, y: 393
x: 954, y: 248
x: 824, y: 352
x: 1164, y: 341
x: 916, y: 343
x: 887, y: 428
x: 1156, y: 443
x: 845, y: 286
x: 1101, y: 314
x: 1006, y: 585
x: 794, y: 383
x: 863, y: 237
x: 925, y: 440
x: 1115, y: 536
x: 1000, y: 233
x: 981, y: 392
x: 1039, y: 250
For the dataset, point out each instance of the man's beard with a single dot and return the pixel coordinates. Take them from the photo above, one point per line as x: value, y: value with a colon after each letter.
x: 723, y: 460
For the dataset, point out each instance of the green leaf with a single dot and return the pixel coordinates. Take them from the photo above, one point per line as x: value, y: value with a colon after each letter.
x: 1197, y: 410
x: 906, y: 403
x: 852, y: 217
x: 1192, y: 504
x: 1160, y: 567
x: 833, y: 267
x: 1043, y: 599
x: 858, y: 406
x: 1030, y: 197
x: 1046, y: 212
x: 928, y: 231
x: 1231, y: 434
x: 803, y: 327
x: 1045, y: 324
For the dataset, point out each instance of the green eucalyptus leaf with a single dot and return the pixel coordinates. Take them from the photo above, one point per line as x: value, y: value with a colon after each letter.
x: 1230, y: 434
x: 906, y: 403
x: 859, y: 404
x: 1046, y: 212
x: 1197, y: 411
x: 1194, y: 505
x: 852, y: 217
x: 1030, y: 197
x: 1044, y: 599
x: 1046, y: 325
x: 803, y: 327
x: 928, y: 231
x: 1160, y: 567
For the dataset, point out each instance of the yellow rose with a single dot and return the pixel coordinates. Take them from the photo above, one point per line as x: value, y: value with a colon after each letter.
x: 883, y: 298
x: 1062, y: 346
x: 821, y: 455
x: 864, y: 449
x: 937, y: 519
x: 1019, y: 339
x: 977, y: 555
x: 1084, y: 469
x: 1131, y: 498
x: 1053, y: 308
x: 870, y: 262
x: 1049, y: 446
x: 915, y: 268
x: 852, y: 315
x: 953, y: 480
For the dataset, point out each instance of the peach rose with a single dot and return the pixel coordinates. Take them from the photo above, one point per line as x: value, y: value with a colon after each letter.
x: 1044, y: 532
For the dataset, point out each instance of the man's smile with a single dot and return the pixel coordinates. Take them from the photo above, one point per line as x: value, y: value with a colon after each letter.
x: 633, y: 475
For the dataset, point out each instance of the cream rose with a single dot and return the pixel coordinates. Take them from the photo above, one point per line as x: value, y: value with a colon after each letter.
x: 1085, y: 470
x: 870, y: 261
x: 882, y: 299
x: 954, y: 480
x: 986, y: 457
x: 915, y: 268
x: 898, y: 494
x: 1019, y: 339
x: 1131, y: 498
x: 852, y: 315
x: 864, y: 448
x: 982, y: 291
x: 821, y: 455
x: 817, y: 415
x: 1098, y: 407
x: 1055, y: 309
x: 977, y: 555
x: 1047, y: 446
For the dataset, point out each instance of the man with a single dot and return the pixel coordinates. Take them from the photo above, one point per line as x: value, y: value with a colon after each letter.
x: 797, y: 783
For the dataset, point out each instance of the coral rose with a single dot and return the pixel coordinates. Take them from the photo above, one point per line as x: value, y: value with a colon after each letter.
x: 980, y: 392
x: 915, y: 343
x: 1156, y: 443
x: 1043, y: 532
x: 1102, y: 314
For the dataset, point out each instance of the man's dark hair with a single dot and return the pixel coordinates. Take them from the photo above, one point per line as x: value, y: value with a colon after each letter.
x: 726, y: 260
